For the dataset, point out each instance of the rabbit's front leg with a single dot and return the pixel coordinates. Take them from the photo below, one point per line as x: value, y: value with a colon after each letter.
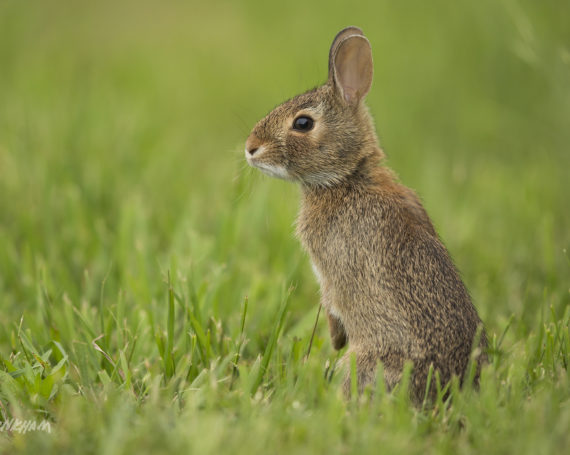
x: 338, y: 334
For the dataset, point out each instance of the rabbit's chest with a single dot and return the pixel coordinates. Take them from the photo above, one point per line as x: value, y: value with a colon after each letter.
x: 342, y: 265
x: 337, y: 248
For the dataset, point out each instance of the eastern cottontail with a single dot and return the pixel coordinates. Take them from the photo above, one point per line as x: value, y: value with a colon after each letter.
x: 387, y: 282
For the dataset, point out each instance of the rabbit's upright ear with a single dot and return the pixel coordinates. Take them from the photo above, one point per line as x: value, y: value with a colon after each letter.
x: 340, y: 36
x: 350, y: 67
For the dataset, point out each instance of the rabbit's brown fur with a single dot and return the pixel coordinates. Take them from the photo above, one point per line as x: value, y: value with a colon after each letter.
x: 387, y: 282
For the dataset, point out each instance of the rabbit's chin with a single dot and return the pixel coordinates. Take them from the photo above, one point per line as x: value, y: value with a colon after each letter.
x: 271, y: 170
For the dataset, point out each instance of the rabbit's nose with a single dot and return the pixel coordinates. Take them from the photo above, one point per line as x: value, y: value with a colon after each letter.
x: 252, y: 145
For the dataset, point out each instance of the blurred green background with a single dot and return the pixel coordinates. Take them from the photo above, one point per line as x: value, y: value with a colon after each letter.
x: 122, y: 127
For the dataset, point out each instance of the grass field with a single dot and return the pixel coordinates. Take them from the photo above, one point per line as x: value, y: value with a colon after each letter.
x: 153, y: 296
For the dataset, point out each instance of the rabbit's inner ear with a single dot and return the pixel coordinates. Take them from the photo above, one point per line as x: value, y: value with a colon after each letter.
x: 340, y: 36
x: 353, y: 68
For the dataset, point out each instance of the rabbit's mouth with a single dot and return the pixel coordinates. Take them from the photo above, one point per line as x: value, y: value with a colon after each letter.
x: 273, y: 170
x: 270, y: 169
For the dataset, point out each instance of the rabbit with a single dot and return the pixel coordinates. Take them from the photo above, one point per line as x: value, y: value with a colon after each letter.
x: 388, y: 284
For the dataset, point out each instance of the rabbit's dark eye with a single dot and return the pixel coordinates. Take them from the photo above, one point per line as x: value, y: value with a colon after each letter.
x: 303, y: 123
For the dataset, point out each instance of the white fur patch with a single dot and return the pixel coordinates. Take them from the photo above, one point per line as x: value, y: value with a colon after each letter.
x: 328, y: 302
x: 272, y: 170
x: 316, y: 272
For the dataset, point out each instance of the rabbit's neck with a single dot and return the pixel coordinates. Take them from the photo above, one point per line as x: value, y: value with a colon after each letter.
x: 368, y: 174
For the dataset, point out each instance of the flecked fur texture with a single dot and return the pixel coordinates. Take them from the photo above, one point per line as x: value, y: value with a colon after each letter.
x: 388, y: 284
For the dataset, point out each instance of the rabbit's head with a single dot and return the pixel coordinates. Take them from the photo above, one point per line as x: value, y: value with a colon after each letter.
x: 320, y: 137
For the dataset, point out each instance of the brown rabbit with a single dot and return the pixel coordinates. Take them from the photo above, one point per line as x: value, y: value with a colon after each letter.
x: 387, y: 282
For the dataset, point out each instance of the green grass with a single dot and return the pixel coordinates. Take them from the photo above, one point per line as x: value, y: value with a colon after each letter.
x: 154, y: 298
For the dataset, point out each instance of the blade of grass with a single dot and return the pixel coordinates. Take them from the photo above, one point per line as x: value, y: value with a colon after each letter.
x: 271, y: 344
x: 169, y: 367
x: 313, y: 333
x: 241, y: 340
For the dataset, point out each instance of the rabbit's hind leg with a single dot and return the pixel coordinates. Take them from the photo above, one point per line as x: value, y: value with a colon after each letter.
x: 366, y: 367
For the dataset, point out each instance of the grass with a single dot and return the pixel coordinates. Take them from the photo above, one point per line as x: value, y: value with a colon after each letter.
x: 154, y: 298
